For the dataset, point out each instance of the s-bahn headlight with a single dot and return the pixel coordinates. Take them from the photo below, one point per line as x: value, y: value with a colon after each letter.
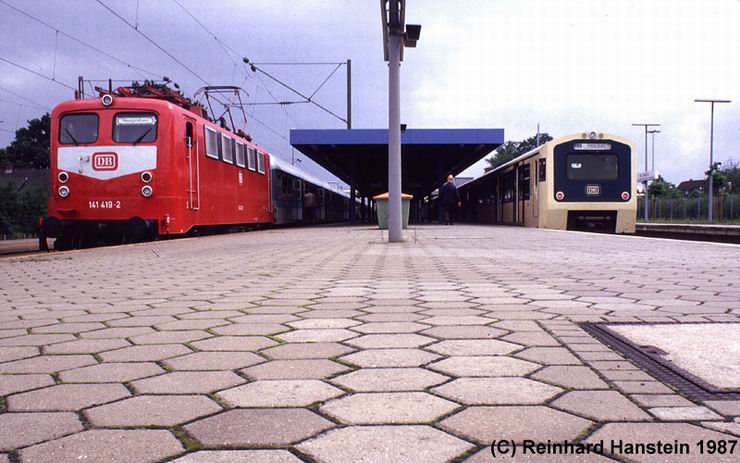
x: 147, y: 191
x: 107, y: 100
x: 146, y: 177
x: 63, y: 191
x: 560, y: 196
x: 63, y: 177
x: 625, y: 195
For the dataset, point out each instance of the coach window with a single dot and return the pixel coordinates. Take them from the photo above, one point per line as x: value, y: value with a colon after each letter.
x: 251, y: 158
x: 227, y: 149
x: 78, y: 128
x: 261, y: 163
x: 592, y: 166
x: 211, y: 143
x: 240, y: 158
x: 543, y: 172
x: 135, y: 128
x: 507, y: 186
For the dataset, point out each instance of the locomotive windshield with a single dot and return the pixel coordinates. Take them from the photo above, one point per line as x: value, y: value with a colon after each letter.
x: 78, y: 128
x: 595, y: 166
x: 135, y: 128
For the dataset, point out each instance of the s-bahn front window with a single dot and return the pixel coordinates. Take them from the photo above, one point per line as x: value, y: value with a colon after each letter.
x: 592, y: 166
x: 135, y: 128
x: 75, y: 129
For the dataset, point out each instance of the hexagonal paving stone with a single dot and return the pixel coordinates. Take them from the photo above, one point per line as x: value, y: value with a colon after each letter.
x: 295, y: 369
x: 484, y: 366
x: 10, y: 384
x: 22, y: 429
x: 239, y: 456
x: 8, y: 354
x: 280, y: 393
x: 150, y: 353
x: 152, y: 410
x: 487, y: 424
x: 121, y: 333
x: 666, y: 432
x: 464, y: 332
x: 47, y: 364
x: 318, y: 350
x: 188, y: 382
x: 572, y: 377
x: 250, y: 329
x: 318, y: 335
x: 691, y: 413
x: 474, y: 347
x: 389, y: 379
x: 375, y: 358
x: 532, y: 338
x: 549, y: 356
x: 457, y: 320
x: 111, y: 373
x: 86, y: 346
x: 601, y: 406
x: 388, y: 408
x: 495, y: 391
x: 385, y: 444
x: 484, y: 456
x: 171, y: 337
x: 390, y: 341
x: 390, y: 327
x: 235, y: 343
x: 215, y: 360
x: 323, y: 323
x: 109, y: 446
x: 37, y: 339
x: 266, y: 427
x: 67, y: 397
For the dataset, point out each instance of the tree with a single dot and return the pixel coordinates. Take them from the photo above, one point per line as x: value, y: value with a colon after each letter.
x: 731, y: 172
x: 512, y: 149
x: 30, y: 149
x: 660, y: 188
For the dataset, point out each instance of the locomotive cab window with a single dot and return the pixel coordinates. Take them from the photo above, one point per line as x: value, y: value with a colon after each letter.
x: 211, y: 143
x: 135, y: 128
x: 75, y: 129
x: 524, y: 176
x: 592, y: 166
x: 227, y: 149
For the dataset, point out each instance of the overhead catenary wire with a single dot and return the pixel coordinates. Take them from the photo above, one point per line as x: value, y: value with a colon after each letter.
x: 43, y: 76
x: 153, y: 42
x: 77, y: 40
x: 28, y: 100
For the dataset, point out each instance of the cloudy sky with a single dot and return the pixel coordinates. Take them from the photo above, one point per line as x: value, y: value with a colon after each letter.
x: 569, y: 65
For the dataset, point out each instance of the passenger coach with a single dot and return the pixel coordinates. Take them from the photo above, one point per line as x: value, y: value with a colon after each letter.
x: 582, y: 182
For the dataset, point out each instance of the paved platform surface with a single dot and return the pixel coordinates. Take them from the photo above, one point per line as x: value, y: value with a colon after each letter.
x: 324, y: 345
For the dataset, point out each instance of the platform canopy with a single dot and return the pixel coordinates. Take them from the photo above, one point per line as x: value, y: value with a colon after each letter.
x: 359, y: 157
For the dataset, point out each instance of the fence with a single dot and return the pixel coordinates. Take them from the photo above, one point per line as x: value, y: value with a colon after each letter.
x: 726, y: 209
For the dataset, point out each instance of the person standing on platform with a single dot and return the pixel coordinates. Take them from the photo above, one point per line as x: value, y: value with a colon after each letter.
x: 309, y: 207
x: 449, y: 199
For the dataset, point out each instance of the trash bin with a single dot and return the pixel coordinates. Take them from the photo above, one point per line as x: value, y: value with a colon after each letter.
x: 382, y: 203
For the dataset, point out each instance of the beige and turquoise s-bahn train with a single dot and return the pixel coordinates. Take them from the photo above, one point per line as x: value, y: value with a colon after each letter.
x: 584, y: 181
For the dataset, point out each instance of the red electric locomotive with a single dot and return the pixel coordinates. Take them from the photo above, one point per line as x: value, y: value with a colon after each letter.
x: 143, y: 161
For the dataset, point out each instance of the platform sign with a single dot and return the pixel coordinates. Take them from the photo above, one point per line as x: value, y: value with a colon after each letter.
x: 645, y: 176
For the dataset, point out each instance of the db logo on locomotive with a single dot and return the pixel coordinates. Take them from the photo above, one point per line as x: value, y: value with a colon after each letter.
x: 105, y: 161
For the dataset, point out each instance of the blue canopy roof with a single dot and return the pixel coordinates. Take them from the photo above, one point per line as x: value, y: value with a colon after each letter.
x: 360, y: 156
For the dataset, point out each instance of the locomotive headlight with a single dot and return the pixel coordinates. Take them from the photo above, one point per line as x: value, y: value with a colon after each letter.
x: 107, y: 100
x: 146, y: 177
x: 625, y: 195
x: 63, y: 177
x: 147, y: 191
x: 560, y: 196
x: 63, y: 191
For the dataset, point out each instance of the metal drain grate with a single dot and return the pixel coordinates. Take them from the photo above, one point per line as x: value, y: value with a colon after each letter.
x: 649, y: 359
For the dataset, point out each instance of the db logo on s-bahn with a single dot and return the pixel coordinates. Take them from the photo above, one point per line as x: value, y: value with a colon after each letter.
x: 105, y: 161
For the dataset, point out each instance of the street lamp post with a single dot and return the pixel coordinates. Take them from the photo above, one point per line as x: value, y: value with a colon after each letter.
x: 396, y: 36
x: 652, y: 139
x: 647, y: 207
x: 712, y: 166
